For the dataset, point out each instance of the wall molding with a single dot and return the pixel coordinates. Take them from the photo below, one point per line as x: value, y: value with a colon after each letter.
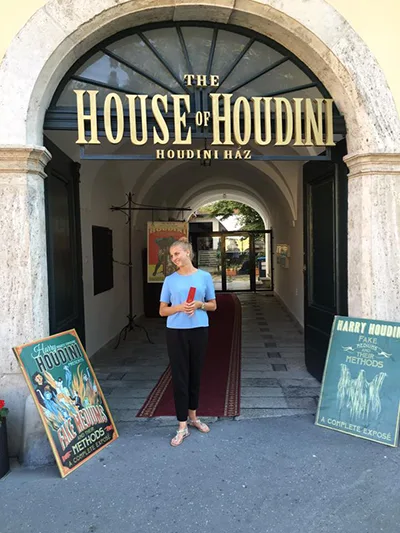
x: 24, y: 160
x: 378, y: 164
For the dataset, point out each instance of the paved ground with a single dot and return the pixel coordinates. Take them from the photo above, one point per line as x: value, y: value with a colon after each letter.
x: 274, y: 378
x: 275, y: 381
x: 262, y: 475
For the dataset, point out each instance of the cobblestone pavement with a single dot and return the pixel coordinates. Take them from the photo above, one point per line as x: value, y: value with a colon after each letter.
x: 274, y: 383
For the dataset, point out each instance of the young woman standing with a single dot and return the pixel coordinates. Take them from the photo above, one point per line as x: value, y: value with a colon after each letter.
x: 187, y: 334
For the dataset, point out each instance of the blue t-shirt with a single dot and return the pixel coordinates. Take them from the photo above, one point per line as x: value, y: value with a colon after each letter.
x: 175, y: 291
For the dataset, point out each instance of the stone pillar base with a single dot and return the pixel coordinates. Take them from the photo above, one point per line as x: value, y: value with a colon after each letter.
x: 36, y: 450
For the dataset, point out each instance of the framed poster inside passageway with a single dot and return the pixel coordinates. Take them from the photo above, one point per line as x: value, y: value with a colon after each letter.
x: 160, y: 236
x: 360, y: 392
x: 68, y: 396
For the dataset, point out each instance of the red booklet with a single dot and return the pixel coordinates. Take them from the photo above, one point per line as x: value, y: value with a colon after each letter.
x: 191, y: 294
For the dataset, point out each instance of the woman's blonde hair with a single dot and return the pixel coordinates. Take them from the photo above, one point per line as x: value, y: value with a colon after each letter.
x: 184, y: 244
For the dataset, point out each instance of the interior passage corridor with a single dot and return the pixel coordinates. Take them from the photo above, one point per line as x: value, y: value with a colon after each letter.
x: 274, y: 382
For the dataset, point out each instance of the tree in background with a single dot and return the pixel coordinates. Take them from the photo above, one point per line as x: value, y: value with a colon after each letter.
x: 248, y: 218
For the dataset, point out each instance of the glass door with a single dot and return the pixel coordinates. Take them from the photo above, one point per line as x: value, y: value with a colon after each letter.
x: 209, y: 257
x: 238, y: 262
x: 263, y: 261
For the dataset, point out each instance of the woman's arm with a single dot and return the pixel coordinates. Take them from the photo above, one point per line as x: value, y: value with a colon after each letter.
x: 188, y: 308
x: 166, y: 310
x: 211, y: 305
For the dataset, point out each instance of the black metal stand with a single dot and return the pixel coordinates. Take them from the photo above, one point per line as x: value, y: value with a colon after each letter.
x: 127, y: 209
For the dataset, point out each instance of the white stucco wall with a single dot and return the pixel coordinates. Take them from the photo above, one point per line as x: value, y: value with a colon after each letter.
x: 105, y: 313
x: 289, y: 282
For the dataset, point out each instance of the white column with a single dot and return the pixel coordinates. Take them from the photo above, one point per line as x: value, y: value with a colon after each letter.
x: 23, y: 272
x: 374, y: 236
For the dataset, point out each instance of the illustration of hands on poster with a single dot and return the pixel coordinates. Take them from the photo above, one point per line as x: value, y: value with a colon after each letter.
x: 360, y: 392
x: 67, y: 394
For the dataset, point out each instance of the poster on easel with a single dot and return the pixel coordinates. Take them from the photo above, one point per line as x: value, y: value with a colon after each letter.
x: 69, y: 399
x: 160, y: 236
x: 360, y: 392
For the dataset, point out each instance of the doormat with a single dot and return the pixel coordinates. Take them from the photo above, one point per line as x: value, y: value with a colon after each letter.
x: 220, y: 382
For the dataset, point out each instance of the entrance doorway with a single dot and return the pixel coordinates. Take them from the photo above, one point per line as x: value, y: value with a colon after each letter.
x: 259, y: 79
x: 238, y: 261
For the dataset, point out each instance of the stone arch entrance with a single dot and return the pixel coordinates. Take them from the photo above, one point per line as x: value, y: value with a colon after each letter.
x: 345, y: 66
x: 314, y: 31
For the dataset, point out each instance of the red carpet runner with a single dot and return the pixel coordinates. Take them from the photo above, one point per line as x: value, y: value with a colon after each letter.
x: 220, y: 382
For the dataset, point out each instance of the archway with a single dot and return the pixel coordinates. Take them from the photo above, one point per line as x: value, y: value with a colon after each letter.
x: 231, y: 238
x: 343, y: 66
x: 304, y: 31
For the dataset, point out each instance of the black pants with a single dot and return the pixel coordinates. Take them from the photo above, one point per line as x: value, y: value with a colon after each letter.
x: 186, y: 351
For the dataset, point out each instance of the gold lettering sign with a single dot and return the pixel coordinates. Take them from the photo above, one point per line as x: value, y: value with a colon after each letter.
x: 267, y: 120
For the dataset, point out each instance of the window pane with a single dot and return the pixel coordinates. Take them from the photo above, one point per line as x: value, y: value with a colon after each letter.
x: 228, y: 48
x: 105, y: 69
x: 167, y: 43
x: 264, y: 87
x: 198, y: 43
x: 280, y: 78
x: 137, y: 53
x: 257, y: 58
x: 313, y: 92
x: 68, y: 97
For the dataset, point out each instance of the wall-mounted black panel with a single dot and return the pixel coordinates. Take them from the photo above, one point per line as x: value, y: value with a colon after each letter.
x: 103, y: 275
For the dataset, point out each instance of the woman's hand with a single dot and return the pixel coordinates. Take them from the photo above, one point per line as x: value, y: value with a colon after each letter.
x: 168, y: 310
x: 190, y: 308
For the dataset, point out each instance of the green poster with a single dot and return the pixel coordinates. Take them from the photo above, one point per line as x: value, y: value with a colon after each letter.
x: 360, y: 391
x: 67, y: 394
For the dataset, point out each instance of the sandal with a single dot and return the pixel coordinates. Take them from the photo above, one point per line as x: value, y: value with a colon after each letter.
x: 181, y: 434
x: 198, y: 424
